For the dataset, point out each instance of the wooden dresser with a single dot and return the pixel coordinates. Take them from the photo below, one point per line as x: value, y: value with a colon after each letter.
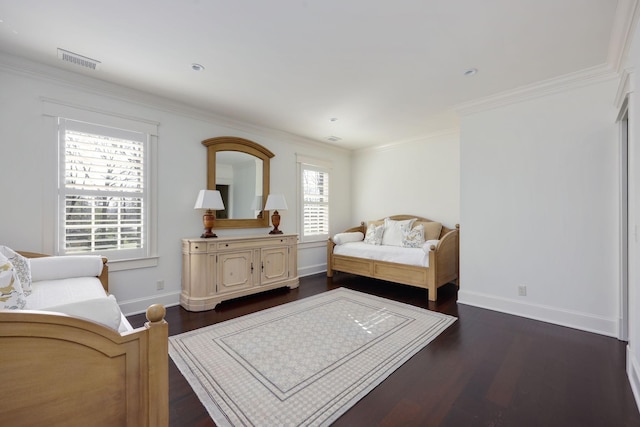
x: 219, y: 269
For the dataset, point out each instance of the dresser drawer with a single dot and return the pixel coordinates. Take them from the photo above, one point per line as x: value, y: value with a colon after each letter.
x: 244, y: 244
x: 197, y: 247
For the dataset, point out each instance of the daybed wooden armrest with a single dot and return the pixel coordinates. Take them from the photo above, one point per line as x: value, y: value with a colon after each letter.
x: 61, y: 370
x: 103, y: 277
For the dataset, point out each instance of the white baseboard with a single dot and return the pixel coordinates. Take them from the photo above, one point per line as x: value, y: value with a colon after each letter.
x: 633, y: 373
x: 571, y: 319
x: 312, y: 269
x: 140, y: 305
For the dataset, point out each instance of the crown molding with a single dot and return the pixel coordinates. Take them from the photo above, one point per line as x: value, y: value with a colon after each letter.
x: 563, y: 83
x: 625, y: 21
x: 624, y: 24
x: 625, y: 87
x: 61, y: 77
x: 444, y: 133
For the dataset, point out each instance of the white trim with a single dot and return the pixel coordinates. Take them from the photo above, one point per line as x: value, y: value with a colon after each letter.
x: 624, y: 25
x: 132, y: 264
x: 313, y: 161
x: 55, y: 108
x: 572, y: 319
x: 304, y: 162
x: 624, y: 89
x: 312, y: 269
x: 633, y: 373
x: 623, y: 225
x: 445, y: 133
x: 597, y: 74
x: 140, y: 305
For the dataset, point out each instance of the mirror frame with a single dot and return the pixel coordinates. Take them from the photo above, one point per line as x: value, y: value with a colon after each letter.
x: 232, y: 143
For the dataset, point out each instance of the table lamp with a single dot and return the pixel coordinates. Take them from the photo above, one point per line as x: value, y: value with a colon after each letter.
x: 275, y: 202
x: 211, y: 200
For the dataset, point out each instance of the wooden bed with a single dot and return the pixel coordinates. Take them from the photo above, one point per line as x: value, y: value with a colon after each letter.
x: 63, y: 370
x: 443, y: 262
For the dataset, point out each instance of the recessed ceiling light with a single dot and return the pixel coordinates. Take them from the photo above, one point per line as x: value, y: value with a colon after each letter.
x: 471, y: 72
x: 197, y: 67
x: 333, y: 119
x: 333, y: 138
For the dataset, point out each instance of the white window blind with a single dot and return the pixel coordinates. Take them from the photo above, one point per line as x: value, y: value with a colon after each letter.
x: 315, y: 202
x: 102, y: 190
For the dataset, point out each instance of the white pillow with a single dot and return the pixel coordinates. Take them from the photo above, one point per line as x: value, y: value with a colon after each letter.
x: 64, y: 267
x: 414, y: 238
x: 395, y: 231
x: 374, y: 234
x: 11, y: 294
x: 427, y: 245
x: 342, y: 238
x: 101, y: 310
x: 21, y: 265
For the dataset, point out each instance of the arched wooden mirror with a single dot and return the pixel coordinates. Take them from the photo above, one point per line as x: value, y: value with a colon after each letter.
x: 239, y: 169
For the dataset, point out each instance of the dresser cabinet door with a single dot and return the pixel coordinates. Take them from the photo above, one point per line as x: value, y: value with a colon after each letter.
x: 275, y: 265
x: 235, y: 271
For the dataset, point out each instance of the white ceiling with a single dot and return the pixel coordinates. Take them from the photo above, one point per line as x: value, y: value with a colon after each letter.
x: 389, y: 71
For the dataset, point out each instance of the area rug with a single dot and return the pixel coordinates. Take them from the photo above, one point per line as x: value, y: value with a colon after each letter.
x: 303, y: 363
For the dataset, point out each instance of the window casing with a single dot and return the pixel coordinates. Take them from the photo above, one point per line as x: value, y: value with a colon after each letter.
x: 103, y: 191
x: 314, y: 186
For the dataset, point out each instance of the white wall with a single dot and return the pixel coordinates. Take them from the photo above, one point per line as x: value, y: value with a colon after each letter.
x: 28, y: 172
x: 539, y: 208
x: 420, y: 178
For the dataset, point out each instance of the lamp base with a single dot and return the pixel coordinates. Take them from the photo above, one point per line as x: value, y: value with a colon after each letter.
x: 208, y: 220
x: 275, y: 220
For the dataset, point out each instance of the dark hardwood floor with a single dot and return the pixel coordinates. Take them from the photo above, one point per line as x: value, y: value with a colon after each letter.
x: 487, y: 369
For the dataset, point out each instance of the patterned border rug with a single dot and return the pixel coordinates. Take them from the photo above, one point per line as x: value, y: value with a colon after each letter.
x: 302, y: 363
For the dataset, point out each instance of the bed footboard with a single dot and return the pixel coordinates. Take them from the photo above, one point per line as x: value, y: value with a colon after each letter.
x: 62, y: 370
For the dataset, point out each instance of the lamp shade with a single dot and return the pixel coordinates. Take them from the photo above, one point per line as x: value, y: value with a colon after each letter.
x: 209, y: 199
x: 275, y: 202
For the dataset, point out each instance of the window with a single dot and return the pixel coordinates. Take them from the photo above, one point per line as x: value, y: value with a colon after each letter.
x: 314, y: 190
x: 103, y: 196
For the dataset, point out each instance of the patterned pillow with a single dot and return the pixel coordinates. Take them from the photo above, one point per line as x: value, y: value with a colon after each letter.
x: 414, y: 238
x: 11, y: 295
x: 22, y: 266
x: 374, y: 234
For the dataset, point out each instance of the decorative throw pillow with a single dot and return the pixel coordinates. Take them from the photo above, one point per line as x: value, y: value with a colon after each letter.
x: 374, y: 234
x: 21, y: 265
x: 394, y: 231
x: 414, y: 238
x: 432, y: 229
x: 11, y: 295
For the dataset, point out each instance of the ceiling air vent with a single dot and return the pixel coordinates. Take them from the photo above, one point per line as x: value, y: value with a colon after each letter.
x: 76, y: 59
x: 333, y: 138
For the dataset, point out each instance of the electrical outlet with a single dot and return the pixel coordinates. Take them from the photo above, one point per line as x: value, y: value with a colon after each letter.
x: 522, y: 291
x: 160, y: 285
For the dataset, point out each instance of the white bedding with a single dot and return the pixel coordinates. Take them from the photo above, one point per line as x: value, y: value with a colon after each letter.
x: 51, y: 293
x: 397, y: 254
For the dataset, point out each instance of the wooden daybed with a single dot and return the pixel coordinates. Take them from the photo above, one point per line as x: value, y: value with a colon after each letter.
x: 60, y: 370
x: 443, y: 262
